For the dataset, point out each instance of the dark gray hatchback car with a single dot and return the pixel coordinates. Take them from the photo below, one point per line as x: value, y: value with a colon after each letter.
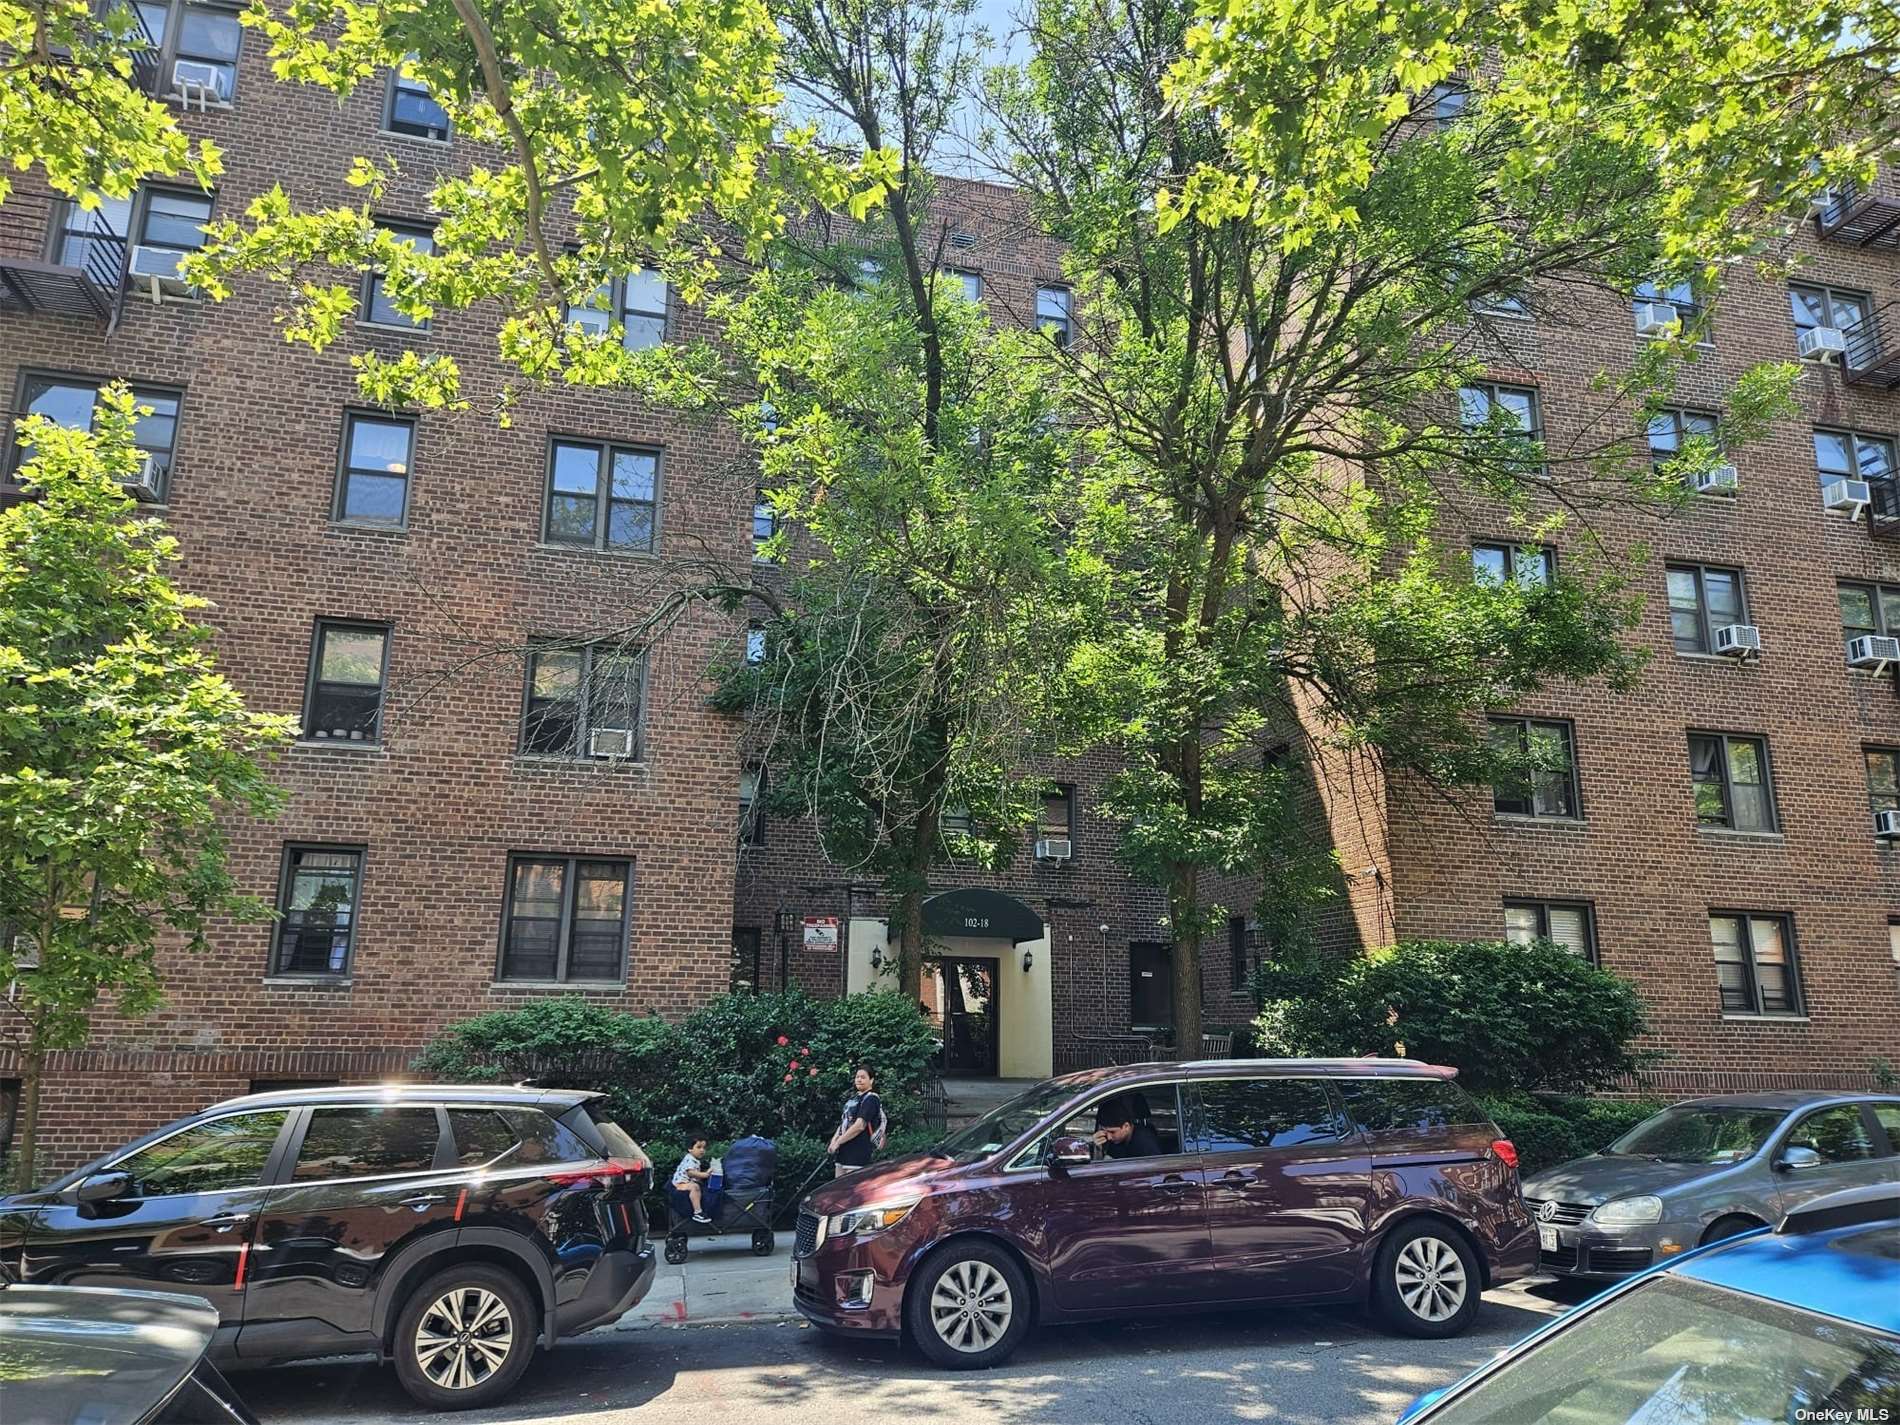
x: 448, y: 1230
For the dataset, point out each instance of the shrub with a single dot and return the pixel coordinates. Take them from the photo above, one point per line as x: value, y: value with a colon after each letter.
x: 1548, y: 1131
x: 1512, y: 1019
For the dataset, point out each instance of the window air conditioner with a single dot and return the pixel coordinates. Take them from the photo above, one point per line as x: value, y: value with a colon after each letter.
x: 1654, y: 318
x: 1850, y: 497
x: 195, y: 82
x: 1722, y: 480
x: 146, y: 485
x: 610, y: 742
x: 157, y: 268
x: 1055, y: 848
x: 1872, y: 651
x: 1822, y: 344
x: 1738, y: 640
x: 1887, y: 825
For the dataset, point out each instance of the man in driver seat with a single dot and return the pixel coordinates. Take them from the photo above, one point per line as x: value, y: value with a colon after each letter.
x: 1119, y: 1136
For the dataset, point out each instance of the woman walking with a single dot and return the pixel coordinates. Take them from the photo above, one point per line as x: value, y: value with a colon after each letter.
x: 861, y: 1131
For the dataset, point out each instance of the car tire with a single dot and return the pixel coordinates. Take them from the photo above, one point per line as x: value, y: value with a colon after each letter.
x: 1727, y: 1227
x: 763, y: 1244
x: 1425, y: 1281
x: 465, y: 1336
x: 967, y: 1306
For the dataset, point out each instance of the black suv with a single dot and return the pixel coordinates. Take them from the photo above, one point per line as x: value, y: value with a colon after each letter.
x: 449, y: 1230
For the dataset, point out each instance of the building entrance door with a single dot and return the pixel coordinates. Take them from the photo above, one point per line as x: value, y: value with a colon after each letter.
x: 966, y: 997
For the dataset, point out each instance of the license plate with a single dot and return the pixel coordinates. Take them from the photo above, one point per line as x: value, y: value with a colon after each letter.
x: 1546, y: 1237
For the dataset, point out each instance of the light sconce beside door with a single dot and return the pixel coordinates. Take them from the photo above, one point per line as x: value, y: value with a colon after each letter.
x: 1029, y: 958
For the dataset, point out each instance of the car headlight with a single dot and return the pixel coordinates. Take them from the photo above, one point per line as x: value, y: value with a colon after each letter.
x: 1628, y: 1212
x: 862, y: 1221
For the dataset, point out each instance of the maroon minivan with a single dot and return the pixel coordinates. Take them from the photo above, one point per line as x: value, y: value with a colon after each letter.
x: 1243, y: 1181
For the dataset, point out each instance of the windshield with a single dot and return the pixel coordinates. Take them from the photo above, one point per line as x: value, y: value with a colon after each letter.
x: 1675, y: 1351
x: 1008, y: 1122
x: 1700, y: 1135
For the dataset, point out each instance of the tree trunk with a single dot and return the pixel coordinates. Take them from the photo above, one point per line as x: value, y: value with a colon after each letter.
x: 909, y: 920
x: 1184, y: 910
x: 26, y: 1141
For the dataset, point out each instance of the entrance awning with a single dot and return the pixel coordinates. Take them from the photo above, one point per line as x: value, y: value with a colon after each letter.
x: 982, y: 913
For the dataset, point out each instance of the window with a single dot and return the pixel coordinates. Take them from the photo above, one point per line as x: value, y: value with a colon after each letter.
x: 955, y: 821
x: 316, y: 904
x: 1447, y: 102
x: 83, y: 238
x: 578, y: 692
x: 72, y: 401
x: 566, y: 919
x: 1839, y: 1134
x: 378, y: 308
x: 970, y: 283
x: 213, y: 1156
x: 374, y: 485
x: 764, y: 526
x: 197, y: 49
x: 172, y: 221
x: 1052, y: 314
x: 1680, y: 295
x: 1565, y: 923
x: 1058, y: 814
x: 1883, y: 778
x: 412, y: 110
x: 1887, y: 1113
x: 1868, y: 608
x: 1508, y: 302
x: 1846, y: 454
x: 1754, y: 962
x: 637, y: 301
x: 755, y: 644
x: 1670, y: 430
x: 1731, y: 780
x: 1156, y: 1105
x: 481, y: 1136
x: 348, y: 664
x: 1826, y: 307
x: 1236, y: 953
x: 367, y: 1143
x: 1701, y: 600
x: 1380, y: 1105
x: 1233, y: 1115
x: 746, y: 941
x: 602, y: 496
x: 1530, y: 566
x: 1514, y: 406
x: 752, y: 806
x: 10, y: 1112
x: 1543, y: 781
x: 1151, y: 985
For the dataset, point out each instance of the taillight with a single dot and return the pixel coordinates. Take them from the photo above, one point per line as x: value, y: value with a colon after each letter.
x: 1505, y: 1151
x: 605, y: 1171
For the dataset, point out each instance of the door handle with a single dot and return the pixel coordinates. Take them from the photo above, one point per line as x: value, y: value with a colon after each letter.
x: 225, y: 1221
x: 1233, y: 1177
x: 424, y: 1200
x: 1173, y: 1182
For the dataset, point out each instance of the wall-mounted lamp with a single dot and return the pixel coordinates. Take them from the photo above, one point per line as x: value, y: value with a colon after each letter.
x: 1029, y: 958
x: 877, y: 958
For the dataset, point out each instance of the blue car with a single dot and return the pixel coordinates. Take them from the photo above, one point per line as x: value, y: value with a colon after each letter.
x: 1801, y: 1323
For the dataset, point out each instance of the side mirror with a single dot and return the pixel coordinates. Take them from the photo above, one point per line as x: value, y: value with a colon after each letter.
x: 1069, y: 1151
x: 102, y: 1187
x: 1792, y: 1158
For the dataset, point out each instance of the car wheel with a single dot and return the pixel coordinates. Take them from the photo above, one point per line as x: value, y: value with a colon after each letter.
x: 1426, y: 1281
x: 763, y: 1244
x: 968, y: 1306
x: 1727, y: 1227
x: 464, y: 1337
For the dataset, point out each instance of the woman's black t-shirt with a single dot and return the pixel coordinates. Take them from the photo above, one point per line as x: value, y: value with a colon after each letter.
x: 858, y: 1151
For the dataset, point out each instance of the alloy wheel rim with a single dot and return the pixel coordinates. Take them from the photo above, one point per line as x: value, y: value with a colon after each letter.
x: 971, y: 1306
x: 1431, y: 1279
x: 463, y: 1338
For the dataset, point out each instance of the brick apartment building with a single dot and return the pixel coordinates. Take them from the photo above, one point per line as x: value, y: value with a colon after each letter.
x: 462, y: 835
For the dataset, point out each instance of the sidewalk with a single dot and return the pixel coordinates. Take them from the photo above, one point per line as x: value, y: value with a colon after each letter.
x: 720, y: 1283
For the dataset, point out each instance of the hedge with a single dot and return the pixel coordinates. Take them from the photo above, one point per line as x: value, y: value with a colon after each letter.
x: 1549, y: 1131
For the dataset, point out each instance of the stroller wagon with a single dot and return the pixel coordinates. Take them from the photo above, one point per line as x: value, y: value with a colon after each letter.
x: 739, y: 1200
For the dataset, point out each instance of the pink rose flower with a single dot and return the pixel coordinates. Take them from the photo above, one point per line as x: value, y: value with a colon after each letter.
x: 788, y: 1078
x: 783, y: 1040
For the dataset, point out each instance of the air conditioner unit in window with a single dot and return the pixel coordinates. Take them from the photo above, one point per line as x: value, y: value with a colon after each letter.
x: 157, y: 268
x: 1872, y: 651
x: 1739, y: 640
x: 1054, y: 848
x: 149, y: 484
x: 1653, y: 318
x: 610, y: 742
x: 1720, y: 481
x: 1822, y: 344
x: 195, y: 82
x: 1850, y: 497
x: 1887, y: 825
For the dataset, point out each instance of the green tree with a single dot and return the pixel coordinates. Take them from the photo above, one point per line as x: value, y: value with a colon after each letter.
x: 124, y: 754
x: 1287, y: 277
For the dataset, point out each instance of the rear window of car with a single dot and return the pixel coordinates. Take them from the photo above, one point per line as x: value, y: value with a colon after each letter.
x: 543, y: 1140
x: 481, y: 1135
x: 1409, y: 1105
x: 593, y: 1125
x: 367, y: 1142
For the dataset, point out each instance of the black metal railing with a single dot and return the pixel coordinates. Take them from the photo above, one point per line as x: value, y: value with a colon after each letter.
x: 1839, y: 207
x: 58, y: 258
x: 1883, y: 508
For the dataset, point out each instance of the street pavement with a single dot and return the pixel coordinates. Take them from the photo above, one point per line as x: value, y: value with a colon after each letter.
x: 1298, y: 1364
